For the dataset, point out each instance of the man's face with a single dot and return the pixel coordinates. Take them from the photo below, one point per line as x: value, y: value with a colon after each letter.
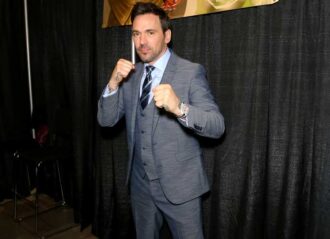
x: 149, y: 39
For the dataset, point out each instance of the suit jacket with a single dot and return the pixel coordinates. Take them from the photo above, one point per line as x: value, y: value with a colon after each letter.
x: 176, y: 150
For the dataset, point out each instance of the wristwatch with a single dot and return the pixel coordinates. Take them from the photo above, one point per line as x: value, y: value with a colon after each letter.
x: 184, y: 109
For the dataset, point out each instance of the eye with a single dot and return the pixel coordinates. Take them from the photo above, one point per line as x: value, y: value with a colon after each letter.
x: 150, y: 33
x: 135, y: 34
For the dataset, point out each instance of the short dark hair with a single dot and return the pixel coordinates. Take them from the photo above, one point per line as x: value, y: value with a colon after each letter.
x: 142, y: 8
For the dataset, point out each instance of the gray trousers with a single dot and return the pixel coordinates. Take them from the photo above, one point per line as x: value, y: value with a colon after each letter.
x: 150, y: 207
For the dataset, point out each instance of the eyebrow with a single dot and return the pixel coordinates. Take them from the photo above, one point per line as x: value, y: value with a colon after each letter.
x: 147, y: 30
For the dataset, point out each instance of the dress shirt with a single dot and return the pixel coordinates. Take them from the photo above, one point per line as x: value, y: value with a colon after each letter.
x: 157, y: 73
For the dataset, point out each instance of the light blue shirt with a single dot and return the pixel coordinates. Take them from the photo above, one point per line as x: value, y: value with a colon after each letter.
x: 157, y: 73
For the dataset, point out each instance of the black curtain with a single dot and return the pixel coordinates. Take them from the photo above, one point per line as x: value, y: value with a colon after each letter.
x: 15, y: 123
x: 269, y: 70
x: 14, y: 99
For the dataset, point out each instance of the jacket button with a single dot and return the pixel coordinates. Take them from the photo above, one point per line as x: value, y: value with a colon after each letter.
x: 199, y: 128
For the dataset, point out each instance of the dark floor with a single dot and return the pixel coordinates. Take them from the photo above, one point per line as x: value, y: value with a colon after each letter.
x: 54, y: 222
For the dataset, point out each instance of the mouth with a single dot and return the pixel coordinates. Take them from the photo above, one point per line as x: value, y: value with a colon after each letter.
x: 143, y: 50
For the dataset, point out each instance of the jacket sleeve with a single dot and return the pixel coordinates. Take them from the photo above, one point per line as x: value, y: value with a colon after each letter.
x: 204, y: 117
x: 110, y: 109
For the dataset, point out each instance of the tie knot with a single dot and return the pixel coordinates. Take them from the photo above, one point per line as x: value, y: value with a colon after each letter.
x: 149, y: 69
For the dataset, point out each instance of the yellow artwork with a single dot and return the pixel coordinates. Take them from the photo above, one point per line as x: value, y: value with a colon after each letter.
x: 117, y: 12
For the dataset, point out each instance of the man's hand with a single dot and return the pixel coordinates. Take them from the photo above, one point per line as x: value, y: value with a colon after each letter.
x: 165, y: 97
x: 121, y: 71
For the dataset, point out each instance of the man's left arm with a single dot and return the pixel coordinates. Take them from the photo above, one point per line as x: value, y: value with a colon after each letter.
x: 195, y: 108
x: 203, y: 116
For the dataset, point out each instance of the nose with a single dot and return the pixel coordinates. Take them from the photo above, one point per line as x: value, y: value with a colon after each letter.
x: 142, y: 39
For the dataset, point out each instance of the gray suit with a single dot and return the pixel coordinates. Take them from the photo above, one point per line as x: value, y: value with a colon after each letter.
x: 175, y: 149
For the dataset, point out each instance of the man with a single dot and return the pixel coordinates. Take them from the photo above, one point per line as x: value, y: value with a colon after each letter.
x: 163, y: 118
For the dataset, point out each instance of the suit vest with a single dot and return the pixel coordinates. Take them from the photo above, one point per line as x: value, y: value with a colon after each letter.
x: 144, y: 162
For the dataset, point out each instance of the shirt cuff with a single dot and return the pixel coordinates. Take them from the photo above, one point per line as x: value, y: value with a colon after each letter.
x: 184, y: 119
x: 107, y: 92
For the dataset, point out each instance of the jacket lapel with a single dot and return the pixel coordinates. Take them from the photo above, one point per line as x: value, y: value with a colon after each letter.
x: 135, y: 96
x: 166, y: 79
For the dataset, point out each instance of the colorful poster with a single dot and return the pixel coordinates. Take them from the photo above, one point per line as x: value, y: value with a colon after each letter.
x: 117, y: 12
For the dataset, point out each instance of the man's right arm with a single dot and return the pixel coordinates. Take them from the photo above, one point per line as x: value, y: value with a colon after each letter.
x: 109, y: 110
x: 110, y: 105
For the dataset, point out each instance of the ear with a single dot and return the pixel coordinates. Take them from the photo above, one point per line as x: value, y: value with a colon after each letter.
x: 168, y: 36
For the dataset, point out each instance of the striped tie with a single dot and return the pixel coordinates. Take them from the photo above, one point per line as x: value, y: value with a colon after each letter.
x: 144, y: 99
